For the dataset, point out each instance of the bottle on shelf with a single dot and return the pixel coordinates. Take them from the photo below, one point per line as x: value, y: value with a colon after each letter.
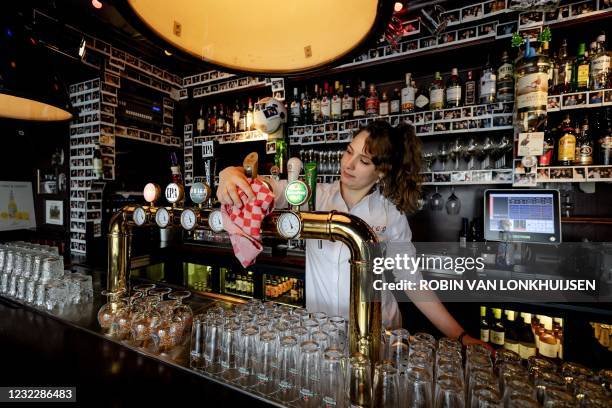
x: 395, y: 105
x: 484, y: 325
x: 581, y: 76
x: 454, y: 90
x: 505, y: 79
x: 175, y: 169
x: 527, y: 344
x: 250, y: 123
x: 243, y: 118
x: 548, y: 346
x: 360, y: 102
x: 212, y: 121
x: 546, y: 159
x: 436, y: 92
x: 488, y: 81
x: 97, y: 162
x: 511, y: 339
x: 221, y: 120
x: 408, y: 95
x: 566, y: 69
x: 463, y: 234
x: 315, y: 106
x: 553, y: 77
x: 600, y: 64
x: 200, y: 124
x: 347, y: 102
x: 236, y: 117
x: 295, y: 109
x: 497, y: 331
x: 372, y: 102
x: 605, y: 139
x: 421, y: 102
x: 566, y: 146
x: 470, y: 89
x: 325, y: 104
x: 305, y: 108
x: 383, y: 106
x: 584, y: 145
x: 336, y: 102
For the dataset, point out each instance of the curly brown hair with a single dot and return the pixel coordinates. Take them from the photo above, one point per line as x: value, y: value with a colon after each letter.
x: 396, y: 153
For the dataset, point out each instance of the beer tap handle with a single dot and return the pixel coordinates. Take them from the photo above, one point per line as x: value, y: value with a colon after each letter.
x: 250, y: 164
x: 294, y: 167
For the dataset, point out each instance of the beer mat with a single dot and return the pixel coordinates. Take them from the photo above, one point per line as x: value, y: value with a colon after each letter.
x: 244, y: 224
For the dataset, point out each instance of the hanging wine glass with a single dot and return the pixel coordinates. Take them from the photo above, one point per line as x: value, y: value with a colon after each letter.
x: 453, y: 204
x: 487, y: 147
x: 443, y: 154
x: 480, y: 154
x: 435, y: 202
x: 455, y: 152
x: 469, y: 152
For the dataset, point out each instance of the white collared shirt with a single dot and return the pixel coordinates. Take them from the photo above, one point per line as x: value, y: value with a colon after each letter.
x: 327, y: 263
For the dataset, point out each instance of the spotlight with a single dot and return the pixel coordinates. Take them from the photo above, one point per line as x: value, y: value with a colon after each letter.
x: 82, y: 47
x: 398, y: 6
x: 168, y: 53
x: 97, y: 4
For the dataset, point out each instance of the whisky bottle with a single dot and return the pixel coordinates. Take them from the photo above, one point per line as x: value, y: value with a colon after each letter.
x: 383, y: 106
x: 250, y: 123
x: 566, y: 147
x: 600, y: 64
x: 395, y: 104
x: 470, y: 89
x: 453, y: 90
x: 548, y: 151
x: 527, y: 345
x: 325, y: 104
x: 498, y: 331
x: 221, y: 120
x: 484, y: 325
x: 315, y: 106
x: 408, y: 95
x: 295, y: 109
x: 212, y: 121
x: 505, y: 79
x: 565, y: 70
x: 488, y: 81
x: 584, y: 146
x: 200, y: 122
x: 511, y: 339
x: 436, y: 92
x: 421, y: 102
x: 372, y: 102
x: 360, y: 102
x: 305, y: 109
x: 347, y: 102
x: 581, y: 76
x: 605, y: 139
x: 336, y: 102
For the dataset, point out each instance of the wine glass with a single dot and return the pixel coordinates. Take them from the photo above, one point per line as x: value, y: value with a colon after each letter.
x: 182, y: 315
x: 455, y: 152
x: 443, y: 152
x: 144, y: 321
x: 107, y: 313
x: 435, y: 202
x: 487, y: 148
x: 480, y: 153
x: 428, y: 159
x: 453, y: 204
x: 470, y: 152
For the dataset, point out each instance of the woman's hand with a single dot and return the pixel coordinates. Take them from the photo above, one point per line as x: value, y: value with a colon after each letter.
x: 467, y: 340
x: 231, y: 181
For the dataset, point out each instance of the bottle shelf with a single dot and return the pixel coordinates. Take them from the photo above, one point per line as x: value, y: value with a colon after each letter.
x: 574, y: 174
x: 237, y: 137
x: 468, y: 177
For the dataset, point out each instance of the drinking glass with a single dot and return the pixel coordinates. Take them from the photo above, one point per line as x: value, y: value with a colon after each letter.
x: 311, y: 326
x: 212, y: 348
x: 288, y: 369
x: 144, y: 321
x: 123, y: 318
x: 521, y: 401
x: 322, y: 339
x: 546, y: 380
x: 479, y: 378
x: 416, y: 387
x: 436, y: 202
x: 181, y: 313
x: 557, y: 398
x: 198, y: 330
x: 449, y: 393
x: 385, y: 392
x: 469, y: 152
x: 453, y: 204
x: 230, y: 341
x: 428, y: 160
x: 517, y: 386
x: 456, y: 152
x: 341, y: 324
x: 300, y: 333
x: 247, y: 356
x: 266, y: 359
x: 106, y: 314
x: 487, y: 150
x: 443, y: 152
x: 359, y: 383
x: 309, y: 373
x: 333, y: 335
x: 398, y: 347
x: 332, y: 377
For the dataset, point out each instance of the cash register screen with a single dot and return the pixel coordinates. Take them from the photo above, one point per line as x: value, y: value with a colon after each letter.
x: 522, y: 216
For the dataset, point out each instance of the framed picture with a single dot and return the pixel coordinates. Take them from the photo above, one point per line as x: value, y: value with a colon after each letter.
x: 54, y: 212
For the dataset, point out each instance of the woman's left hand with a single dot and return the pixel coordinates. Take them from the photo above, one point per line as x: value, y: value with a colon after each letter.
x: 467, y: 340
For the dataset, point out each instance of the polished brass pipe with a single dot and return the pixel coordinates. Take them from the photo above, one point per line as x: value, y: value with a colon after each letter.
x: 365, y: 320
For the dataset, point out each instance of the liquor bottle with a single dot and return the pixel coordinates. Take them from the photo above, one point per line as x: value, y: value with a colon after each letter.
x: 347, y: 102
x: 250, y: 285
x: 497, y: 331
x: 383, y: 106
x: 605, y: 139
x: 295, y: 109
x: 488, y: 81
x: 336, y: 102
x: 212, y: 121
x: 250, y: 123
x: 600, y: 64
x: 395, y: 106
x: 325, y: 104
x: 315, y: 106
x: 548, y: 152
x: 511, y: 339
x: 566, y: 69
x: 408, y: 95
x: 463, y: 234
x: 484, y: 323
x: 580, y: 77
x: 97, y: 162
x: 548, y: 346
x: 12, y: 205
x: 305, y: 109
x: 553, y: 77
x: 566, y: 147
x: 421, y: 102
x: 221, y: 120
x: 200, y: 124
x: 527, y: 344
x: 470, y: 89
x: 584, y: 146
x: 436, y: 92
x: 453, y: 90
x: 505, y: 79
x: 175, y: 169
x: 372, y: 102
x: 236, y: 117
x: 360, y: 102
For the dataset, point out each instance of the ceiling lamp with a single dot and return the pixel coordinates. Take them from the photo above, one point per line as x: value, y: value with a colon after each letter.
x: 281, y: 37
x: 29, y: 90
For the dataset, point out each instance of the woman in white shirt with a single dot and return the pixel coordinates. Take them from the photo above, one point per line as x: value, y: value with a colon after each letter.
x: 379, y: 183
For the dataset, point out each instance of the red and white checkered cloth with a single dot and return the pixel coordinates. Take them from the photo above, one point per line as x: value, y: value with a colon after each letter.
x: 243, y: 224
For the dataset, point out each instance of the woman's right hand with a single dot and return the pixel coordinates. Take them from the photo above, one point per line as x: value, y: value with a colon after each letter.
x: 231, y: 181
